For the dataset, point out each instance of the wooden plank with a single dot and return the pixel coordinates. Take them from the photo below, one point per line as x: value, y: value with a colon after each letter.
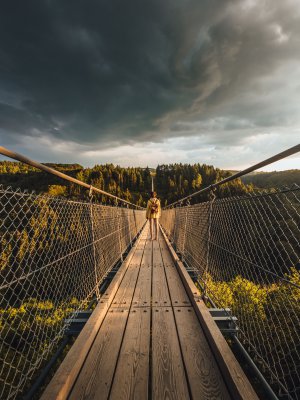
x: 143, y: 237
x: 236, y: 380
x: 166, y: 255
x: 168, y: 375
x: 65, y: 376
x: 95, y: 378
x: 141, y: 244
x: 138, y: 255
x: 123, y: 297
x: 145, y: 232
x: 177, y: 291
x: 157, y: 257
x: 232, y: 372
x: 160, y: 291
x: 132, y: 372
x: 147, y: 255
x: 204, y: 377
x: 142, y: 293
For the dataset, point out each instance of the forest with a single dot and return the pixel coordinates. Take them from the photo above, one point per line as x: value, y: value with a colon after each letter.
x: 172, y: 181
x: 24, y: 242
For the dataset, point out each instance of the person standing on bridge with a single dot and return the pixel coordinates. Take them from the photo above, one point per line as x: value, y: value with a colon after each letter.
x: 153, y: 213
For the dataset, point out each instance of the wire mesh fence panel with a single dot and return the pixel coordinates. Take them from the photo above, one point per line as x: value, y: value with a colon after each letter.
x: 246, y: 253
x: 54, y: 254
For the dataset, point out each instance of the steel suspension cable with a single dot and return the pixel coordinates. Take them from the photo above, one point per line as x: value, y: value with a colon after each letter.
x: 268, y: 161
x: 19, y: 157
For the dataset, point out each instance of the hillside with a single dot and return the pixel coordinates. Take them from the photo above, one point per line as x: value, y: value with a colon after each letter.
x: 273, y: 179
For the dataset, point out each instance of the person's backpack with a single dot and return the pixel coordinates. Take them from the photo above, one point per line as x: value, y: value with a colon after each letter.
x: 154, y: 206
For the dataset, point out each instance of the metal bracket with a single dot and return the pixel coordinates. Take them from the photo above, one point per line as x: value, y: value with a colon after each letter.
x: 76, y: 324
x: 226, y: 322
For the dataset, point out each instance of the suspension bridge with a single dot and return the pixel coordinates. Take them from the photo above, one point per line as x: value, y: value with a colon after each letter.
x: 143, y: 319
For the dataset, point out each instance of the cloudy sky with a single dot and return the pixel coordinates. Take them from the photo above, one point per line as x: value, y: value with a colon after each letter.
x: 142, y: 82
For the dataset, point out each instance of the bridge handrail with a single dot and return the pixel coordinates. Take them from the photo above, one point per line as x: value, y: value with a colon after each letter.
x: 19, y: 157
x: 276, y: 157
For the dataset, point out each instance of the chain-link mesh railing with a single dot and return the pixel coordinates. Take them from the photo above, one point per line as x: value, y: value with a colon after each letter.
x: 54, y: 254
x: 246, y: 252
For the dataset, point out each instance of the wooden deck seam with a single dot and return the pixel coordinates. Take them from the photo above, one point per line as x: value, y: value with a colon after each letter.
x: 234, y: 377
x: 110, y: 309
x: 126, y: 323
x: 153, y: 351
x: 177, y: 333
x: 150, y: 335
x: 65, y: 377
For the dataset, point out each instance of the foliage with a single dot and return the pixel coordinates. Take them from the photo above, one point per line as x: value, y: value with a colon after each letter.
x: 19, y: 327
x: 30, y: 317
x: 175, y: 181
x: 172, y: 181
x: 257, y: 307
x: 57, y: 190
x: 253, y: 298
x: 273, y: 179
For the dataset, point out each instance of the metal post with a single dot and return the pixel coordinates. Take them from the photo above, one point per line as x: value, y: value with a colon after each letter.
x: 176, y: 233
x: 119, y: 230
x: 213, y: 198
x: 134, y: 216
x: 129, y: 226
x: 184, y: 231
x: 93, y: 241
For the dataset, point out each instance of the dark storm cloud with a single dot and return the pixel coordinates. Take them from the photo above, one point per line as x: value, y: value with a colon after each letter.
x: 128, y: 71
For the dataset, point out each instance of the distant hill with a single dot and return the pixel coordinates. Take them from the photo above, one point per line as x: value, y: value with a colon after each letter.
x: 273, y: 179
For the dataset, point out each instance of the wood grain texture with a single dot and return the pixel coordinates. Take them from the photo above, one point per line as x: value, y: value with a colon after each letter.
x: 160, y: 291
x: 168, y: 376
x: 65, y: 376
x: 177, y: 291
x: 166, y: 256
x: 95, y: 378
x: 126, y: 289
x: 132, y: 372
x: 204, y: 377
x: 188, y: 356
x: 137, y: 256
x: 236, y: 380
x: 142, y: 293
x: 123, y: 297
x: 147, y: 255
x: 141, y: 244
x: 157, y: 253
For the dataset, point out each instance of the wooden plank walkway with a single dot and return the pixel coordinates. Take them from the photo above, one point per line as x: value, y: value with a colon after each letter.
x: 150, y: 343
